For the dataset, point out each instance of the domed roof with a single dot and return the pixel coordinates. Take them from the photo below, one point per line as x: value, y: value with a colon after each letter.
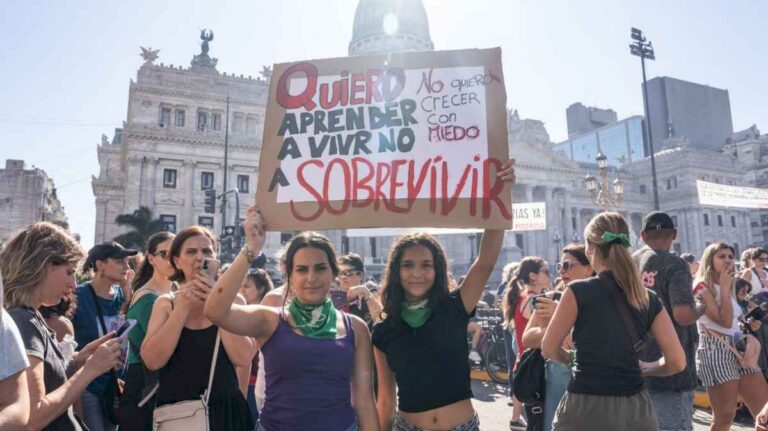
x: 383, y: 26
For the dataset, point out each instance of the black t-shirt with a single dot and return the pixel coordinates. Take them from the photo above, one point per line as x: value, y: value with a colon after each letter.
x: 670, y: 277
x: 430, y: 363
x: 606, y: 363
x: 40, y: 343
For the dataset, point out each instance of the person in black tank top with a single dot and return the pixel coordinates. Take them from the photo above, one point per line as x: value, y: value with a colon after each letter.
x: 608, y: 390
x: 180, y: 340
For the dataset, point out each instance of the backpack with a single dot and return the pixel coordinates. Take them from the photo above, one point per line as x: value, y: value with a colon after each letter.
x: 528, y: 387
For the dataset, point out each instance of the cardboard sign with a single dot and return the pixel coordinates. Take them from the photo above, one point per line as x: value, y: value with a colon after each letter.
x: 731, y: 196
x: 402, y: 140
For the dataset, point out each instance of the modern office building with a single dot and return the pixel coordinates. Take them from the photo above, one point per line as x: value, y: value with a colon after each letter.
x: 622, y: 142
x: 583, y: 119
x: 680, y: 109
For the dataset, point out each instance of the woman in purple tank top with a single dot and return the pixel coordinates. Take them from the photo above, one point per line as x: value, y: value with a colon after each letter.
x: 317, y: 360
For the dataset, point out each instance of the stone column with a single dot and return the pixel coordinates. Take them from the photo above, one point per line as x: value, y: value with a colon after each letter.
x: 530, y: 238
x: 567, y: 227
x: 188, y: 210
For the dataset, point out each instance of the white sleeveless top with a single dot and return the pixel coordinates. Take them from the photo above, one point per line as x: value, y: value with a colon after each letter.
x: 758, y: 285
x: 705, y: 322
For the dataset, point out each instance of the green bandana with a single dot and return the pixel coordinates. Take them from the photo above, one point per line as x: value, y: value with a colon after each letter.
x: 314, y: 321
x: 415, y: 314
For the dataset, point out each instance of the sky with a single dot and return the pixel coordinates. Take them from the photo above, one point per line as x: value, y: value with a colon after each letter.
x: 65, y: 67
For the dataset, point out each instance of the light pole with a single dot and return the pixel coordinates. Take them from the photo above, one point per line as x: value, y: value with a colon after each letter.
x: 600, y: 193
x: 643, y: 48
x: 557, y: 239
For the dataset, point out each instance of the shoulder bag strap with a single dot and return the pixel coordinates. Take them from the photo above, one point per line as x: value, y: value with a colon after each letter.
x: 98, y: 309
x: 213, y: 367
x: 626, y: 316
x: 754, y: 271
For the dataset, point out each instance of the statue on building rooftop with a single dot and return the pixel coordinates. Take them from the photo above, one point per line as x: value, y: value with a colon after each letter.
x: 202, y: 62
x: 149, y: 55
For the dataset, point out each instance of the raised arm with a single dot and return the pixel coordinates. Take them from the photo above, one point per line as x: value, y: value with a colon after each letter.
x: 721, y: 314
x: 490, y: 245
x: 250, y: 320
x: 240, y: 349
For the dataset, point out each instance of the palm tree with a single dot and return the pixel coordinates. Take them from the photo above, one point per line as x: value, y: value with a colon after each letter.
x: 143, y: 226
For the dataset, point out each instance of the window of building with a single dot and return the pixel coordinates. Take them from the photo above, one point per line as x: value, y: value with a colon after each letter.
x: 202, y: 121
x: 169, y: 222
x: 736, y: 249
x: 216, y: 121
x: 573, y: 223
x: 344, y: 244
x: 242, y: 183
x: 373, y: 247
x: 165, y: 117
x: 205, y: 221
x: 706, y: 219
x: 642, y: 189
x: 733, y: 221
x: 169, y: 178
x: 206, y: 180
x: 179, y: 121
x: 764, y: 220
x: 719, y: 220
x: 285, y: 237
x: 519, y: 240
x: 669, y: 183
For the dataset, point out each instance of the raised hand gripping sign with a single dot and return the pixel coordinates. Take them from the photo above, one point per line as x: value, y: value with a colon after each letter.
x: 403, y: 140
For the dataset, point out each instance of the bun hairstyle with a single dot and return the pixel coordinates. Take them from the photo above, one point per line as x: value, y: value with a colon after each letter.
x: 529, y: 265
x: 608, y: 232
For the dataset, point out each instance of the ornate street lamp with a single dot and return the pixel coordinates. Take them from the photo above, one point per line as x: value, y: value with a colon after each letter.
x: 600, y: 193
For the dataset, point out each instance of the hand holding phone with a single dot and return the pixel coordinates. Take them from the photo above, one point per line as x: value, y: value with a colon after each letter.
x: 123, y: 331
x: 211, y: 267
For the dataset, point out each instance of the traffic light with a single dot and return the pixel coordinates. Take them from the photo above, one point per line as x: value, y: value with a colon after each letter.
x: 210, y: 201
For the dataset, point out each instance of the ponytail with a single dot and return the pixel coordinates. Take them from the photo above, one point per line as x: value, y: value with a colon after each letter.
x: 511, y: 297
x: 146, y: 271
x: 522, y: 274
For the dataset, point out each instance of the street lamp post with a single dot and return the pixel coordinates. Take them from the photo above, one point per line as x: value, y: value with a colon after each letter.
x: 643, y: 48
x: 557, y: 239
x: 600, y: 193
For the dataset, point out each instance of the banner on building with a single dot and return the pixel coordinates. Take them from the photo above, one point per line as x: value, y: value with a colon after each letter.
x: 731, y: 196
x: 400, y: 140
x: 527, y: 217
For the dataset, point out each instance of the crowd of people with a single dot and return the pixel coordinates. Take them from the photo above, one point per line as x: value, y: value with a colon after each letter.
x: 165, y: 339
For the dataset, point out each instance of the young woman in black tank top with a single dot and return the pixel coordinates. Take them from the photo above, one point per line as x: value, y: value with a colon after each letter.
x: 421, y: 346
x: 180, y: 340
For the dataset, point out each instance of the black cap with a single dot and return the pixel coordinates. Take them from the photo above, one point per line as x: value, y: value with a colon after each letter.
x: 106, y: 250
x: 658, y: 220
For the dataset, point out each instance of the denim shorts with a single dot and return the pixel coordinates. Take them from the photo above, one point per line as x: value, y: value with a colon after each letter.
x: 674, y: 410
x: 401, y: 424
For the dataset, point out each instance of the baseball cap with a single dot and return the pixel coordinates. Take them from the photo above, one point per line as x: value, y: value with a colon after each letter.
x: 106, y: 250
x: 658, y: 220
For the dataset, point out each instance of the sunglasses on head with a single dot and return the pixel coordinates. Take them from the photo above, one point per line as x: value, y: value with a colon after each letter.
x: 564, y: 265
x: 348, y: 273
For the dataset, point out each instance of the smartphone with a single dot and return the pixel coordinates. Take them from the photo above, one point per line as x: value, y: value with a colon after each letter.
x: 557, y: 295
x: 339, y: 298
x: 123, y: 331
x: 211, y: 267
x: 535, y: 298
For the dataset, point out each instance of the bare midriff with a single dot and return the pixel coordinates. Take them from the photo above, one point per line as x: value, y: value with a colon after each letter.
x: 442, y: 418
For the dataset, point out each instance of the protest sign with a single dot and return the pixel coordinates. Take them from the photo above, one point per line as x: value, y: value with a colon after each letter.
x: 399, y: 140
x: 731, y: 196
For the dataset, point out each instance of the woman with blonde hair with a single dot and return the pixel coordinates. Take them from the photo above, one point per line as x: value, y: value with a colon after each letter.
x: 718, y: 360
x: 607, y: 390
x: 38, y: 266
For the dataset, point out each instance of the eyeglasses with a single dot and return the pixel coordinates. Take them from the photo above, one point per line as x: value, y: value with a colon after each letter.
x: 565, y: 265
x: 348, y: 273
x: 162, y: 253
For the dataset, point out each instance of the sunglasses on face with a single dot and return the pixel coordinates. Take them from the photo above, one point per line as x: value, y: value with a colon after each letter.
x: 564, y: 265
x: 348, y: 273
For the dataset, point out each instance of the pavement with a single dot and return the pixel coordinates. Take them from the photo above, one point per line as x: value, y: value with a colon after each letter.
x: 491, y: 404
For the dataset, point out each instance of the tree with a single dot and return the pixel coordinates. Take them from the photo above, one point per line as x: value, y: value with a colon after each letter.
x: 143, y: 226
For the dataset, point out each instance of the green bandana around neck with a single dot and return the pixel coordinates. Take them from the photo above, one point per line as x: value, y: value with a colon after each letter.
x: 415, y: 314
x: 314, y: 320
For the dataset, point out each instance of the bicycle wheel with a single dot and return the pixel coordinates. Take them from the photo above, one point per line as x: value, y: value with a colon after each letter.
x: 496, y: 363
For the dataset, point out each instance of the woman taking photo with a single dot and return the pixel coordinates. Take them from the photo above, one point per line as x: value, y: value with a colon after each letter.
x: 573, y: 266
x: 38, y: 267
x: 180, y: 340
x: 317, y: 359
x: 717, y: 364
x: 608, y: 390
x: 151, y: 282
x: 421, y: 345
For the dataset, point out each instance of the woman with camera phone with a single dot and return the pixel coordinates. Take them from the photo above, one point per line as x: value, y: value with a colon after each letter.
x: 573, y: 266
x: 181, y: 342
x: 608, y: 316
x: 725, y: 363
x: 317, y: 360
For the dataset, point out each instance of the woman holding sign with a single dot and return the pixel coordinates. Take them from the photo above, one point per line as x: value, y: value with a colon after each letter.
x: 318, y: 359
x: 421, y: 346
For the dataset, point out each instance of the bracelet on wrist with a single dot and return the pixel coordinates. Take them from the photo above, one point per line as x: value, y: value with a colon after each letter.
x: 249, y: 254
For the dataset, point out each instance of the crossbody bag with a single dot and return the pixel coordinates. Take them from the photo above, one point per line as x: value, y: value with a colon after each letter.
x: 109, y: 400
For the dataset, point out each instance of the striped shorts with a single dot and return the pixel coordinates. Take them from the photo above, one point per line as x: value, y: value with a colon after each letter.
x: 716, y: 363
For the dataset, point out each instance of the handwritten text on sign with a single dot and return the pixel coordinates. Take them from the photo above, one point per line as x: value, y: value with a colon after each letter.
x: 383, y: 139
